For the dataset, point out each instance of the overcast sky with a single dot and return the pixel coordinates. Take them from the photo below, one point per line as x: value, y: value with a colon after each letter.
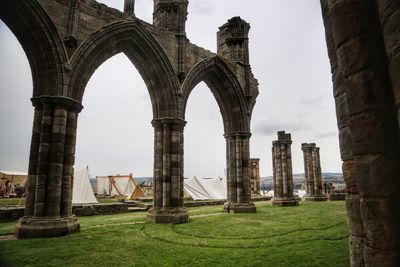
x: 288, y: 57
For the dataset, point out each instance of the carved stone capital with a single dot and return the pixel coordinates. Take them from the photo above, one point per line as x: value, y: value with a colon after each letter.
x: 62, y: 101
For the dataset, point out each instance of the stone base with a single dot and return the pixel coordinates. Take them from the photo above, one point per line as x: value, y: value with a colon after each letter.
x: 337, y: 196
x: 28, y: 227
x: 315, y: 198
x: 168, y: 215
x: 240, y: 207
x: 284, y: 202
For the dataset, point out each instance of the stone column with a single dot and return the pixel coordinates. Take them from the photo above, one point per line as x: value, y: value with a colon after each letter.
x: 129, y: 7
x: 255, y: 176
x: 283, y: 175
x: 363, y: 58
x: 312, y: 173
x: 238, y: 173
x: 168, y: 172
x: 50, y: 157
x: 33, y: 163
x: 357, y: 235
x: 69, y: 160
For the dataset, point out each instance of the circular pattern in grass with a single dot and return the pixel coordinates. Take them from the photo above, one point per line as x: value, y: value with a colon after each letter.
x: 270, y: 226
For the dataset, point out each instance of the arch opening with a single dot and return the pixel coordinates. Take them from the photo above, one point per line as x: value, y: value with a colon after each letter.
x: 144, y: 52
x: 114, y: 130
x: 41, y: 42
x: 16, y: 110
x: 226, y: 90
x: 204, y: 145
x: 231, y: 101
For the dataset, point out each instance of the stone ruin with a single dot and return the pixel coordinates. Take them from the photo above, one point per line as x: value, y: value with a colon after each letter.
x: 66, y: 41
x: 363, y: 45
x: 282, y: 171
x: 312, y: 173
x: 255, y: 176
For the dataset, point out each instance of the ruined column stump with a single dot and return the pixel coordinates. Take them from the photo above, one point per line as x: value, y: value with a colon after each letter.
x: 312, y: 173
x: 282, y: 171
x: 168, y: 215
x: 255, y: 176
x: 240, y: 207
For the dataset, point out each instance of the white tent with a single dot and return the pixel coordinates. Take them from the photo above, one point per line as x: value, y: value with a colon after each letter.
x: 82, y: 190
x: 119, y: 185
x: 206, y: 188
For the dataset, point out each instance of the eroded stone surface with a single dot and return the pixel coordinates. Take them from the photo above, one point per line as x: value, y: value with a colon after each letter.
x: 312, y: 173
x: 282, y: 171
x: 362, y: 40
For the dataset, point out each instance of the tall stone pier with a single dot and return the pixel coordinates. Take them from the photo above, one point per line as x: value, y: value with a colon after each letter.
x: 362, y: 39
x: 312, y: 173
x: 282, y: 171
x: 255, y: 176
x: 48, y: 209
x: 168, y: 172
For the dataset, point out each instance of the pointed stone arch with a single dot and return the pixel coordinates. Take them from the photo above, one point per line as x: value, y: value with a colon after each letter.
x: 226, y: 89
x: 132, y: 39
x: 41, y: 42
x: 224, y: 85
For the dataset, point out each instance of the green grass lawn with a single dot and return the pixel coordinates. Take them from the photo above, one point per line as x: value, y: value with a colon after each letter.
x: 12, y: 202
x: 313, y: 234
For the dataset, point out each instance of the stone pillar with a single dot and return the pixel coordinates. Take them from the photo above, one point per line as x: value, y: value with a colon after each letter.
x: 238, y: 173
x: 283, y: 175
x: 129, y: 7
x: 233, y: 45
x: 255, y: 176
x: 312, y: 173
x: 363, y: 58
x: 171, y: 15
x: 33, y: 163
x: 51, y: 160
x: 168, y: 172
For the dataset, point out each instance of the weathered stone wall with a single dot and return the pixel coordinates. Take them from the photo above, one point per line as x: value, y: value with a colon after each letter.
x: 362, y: 38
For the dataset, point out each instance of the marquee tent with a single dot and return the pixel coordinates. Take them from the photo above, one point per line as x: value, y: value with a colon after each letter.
x: 205, y: 188
x: 82, y: 192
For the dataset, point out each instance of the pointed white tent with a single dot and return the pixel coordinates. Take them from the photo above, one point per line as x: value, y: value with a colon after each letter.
x: 82, y: 192
x: 205, y: 188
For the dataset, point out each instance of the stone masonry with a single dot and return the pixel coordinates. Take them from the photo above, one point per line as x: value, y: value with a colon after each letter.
x: 362, y: 37
x: 66, y: 41
x: 282, y: 171
x: 255, y: 176
x: 312, y: 173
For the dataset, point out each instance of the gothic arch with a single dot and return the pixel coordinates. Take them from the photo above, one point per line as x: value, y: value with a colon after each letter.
x: 225, y: 88
x: 131, y: 38
x: 40, y: 41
